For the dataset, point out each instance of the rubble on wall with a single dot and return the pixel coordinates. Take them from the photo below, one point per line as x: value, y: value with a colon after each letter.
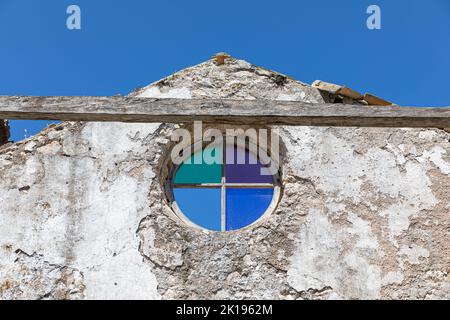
x: 364, y: 212
x: 30, y: 277
x: 334, y: 93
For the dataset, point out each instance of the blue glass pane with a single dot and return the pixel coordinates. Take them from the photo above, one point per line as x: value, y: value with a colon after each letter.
x: 248, y: 172
x: 201, y: 206
x: 245, y: 206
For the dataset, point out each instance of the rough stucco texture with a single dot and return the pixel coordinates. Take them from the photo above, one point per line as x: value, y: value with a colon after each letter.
x: 364, y: 213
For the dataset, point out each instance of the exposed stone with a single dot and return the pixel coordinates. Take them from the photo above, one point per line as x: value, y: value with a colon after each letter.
x: 29, y: 276
x: 50, y: 149
x: 235, y: 79
x: 337, y: 90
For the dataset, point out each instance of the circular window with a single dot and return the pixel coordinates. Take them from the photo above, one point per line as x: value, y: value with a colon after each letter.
x: 224, y: 196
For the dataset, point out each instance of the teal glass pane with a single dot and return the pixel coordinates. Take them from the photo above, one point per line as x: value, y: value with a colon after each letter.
x: 189, y: 173
x: 201, y: 206
x: 245, y: 206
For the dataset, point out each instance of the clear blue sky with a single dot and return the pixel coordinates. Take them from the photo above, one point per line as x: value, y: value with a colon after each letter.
x: 127, y: 44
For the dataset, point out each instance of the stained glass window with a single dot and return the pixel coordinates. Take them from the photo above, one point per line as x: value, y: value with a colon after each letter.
x: 223, y: 197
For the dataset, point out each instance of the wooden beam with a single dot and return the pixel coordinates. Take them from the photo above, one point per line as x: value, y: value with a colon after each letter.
x: 125, y: 109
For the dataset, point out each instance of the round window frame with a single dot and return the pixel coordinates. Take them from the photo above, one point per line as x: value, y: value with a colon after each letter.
x: 199, y: 146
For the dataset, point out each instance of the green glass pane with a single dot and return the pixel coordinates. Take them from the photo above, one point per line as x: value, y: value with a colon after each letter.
x: 189, y: 173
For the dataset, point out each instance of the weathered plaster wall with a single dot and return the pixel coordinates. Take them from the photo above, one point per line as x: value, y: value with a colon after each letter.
x: 364, y: 212
x: 72, y: 199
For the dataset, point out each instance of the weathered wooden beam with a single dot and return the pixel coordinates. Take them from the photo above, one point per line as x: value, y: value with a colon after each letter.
x: 125, y: 109
x: 4, y: 131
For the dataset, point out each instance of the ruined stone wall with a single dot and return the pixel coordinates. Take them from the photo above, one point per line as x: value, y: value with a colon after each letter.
x: 364, y: 213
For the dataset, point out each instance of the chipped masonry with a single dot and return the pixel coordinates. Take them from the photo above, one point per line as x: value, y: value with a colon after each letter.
x: 364, y: 212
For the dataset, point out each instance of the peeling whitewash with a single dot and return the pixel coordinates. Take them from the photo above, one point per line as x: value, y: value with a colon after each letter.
x: 364, y: 213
